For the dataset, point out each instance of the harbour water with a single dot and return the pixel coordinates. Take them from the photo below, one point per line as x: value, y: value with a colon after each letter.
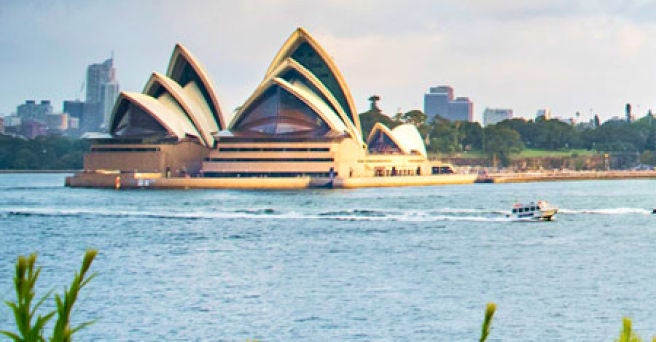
x: 374, y: 264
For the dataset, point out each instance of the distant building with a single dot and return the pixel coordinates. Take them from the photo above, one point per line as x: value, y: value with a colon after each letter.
x: 461, y: 109
x: 57, y: 123
x: 492, y: 116
x: 101, y: 94
x: 440, y: 101
x: 97, y: 75
x: 2, y: 125
x: 545, y: 113
x: 110, y: 93
x: 12, y: 121
x: 73, y: 123
x: 86, y: 114
x: 33, y: 111
x: 32, y: 129
x: 74, y: 109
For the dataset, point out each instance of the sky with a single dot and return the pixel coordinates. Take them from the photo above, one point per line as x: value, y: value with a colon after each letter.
x: 571, y: 56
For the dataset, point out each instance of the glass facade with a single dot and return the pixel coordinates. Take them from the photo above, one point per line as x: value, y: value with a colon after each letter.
x: 382, y: 143
x: 137, y: 122
x: 294, y: 77
x: 278, y: 113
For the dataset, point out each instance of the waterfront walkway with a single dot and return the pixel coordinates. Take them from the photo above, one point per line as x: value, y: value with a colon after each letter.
x: 518, y: 177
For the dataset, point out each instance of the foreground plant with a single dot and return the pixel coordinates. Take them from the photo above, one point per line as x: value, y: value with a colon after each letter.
x: 30, y: 329
x: 487, y: 322
x: 627, y: 334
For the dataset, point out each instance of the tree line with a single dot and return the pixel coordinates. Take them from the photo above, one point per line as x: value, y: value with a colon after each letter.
x: 42, y: 153
x: 511, y: 136
x: 498, y: 141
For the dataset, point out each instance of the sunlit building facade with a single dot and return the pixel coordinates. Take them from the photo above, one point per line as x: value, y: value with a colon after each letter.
x: 492, y: 116
x: 440, y: 101
x: 299, y: 125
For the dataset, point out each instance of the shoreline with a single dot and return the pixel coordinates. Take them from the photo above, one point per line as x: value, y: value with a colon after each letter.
x: 156, y: 181
x: 524, y: 177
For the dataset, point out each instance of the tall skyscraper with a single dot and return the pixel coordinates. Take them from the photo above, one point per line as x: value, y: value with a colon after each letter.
x: 101, y: 93
x: 97, y: 75
x: 492, y: 116
x: 110, y: 93
x: 440, y: 101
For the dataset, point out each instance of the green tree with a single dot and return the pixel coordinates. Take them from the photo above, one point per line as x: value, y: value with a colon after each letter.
x: 415, y: 117
x: 500, y: 142
x: 369, y: 118
x: 470, y: 135
x: 443, y: 136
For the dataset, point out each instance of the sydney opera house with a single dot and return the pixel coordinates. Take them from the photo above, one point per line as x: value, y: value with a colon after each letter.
x: 299, y: 128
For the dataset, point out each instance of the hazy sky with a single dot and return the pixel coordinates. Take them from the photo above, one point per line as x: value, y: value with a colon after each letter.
x: 587, y: 56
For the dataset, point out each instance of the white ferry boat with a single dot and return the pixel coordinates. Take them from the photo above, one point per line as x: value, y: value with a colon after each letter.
x: 540, y: 211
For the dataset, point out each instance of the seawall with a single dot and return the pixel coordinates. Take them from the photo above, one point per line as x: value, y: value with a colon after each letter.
x: 519, y: 177
x: 155, y: 181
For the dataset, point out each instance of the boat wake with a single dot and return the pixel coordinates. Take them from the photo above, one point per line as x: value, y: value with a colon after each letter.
x: 444, y: 214
x: 606, y: 211
x: 271, y: 214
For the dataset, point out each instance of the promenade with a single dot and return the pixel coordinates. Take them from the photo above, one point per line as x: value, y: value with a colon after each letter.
x: 545, y: 176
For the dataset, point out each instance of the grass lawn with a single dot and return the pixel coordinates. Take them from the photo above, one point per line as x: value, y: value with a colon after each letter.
x: 527, y: 153
x: 533, y: 153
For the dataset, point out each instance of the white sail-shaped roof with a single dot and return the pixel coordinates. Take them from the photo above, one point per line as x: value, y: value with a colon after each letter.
x: 184, y: 69
x: 313, y: 100
x: 199, y: 115
x: 304, y: 49
x: 294, y: 72
x: 405, y: 137
x: 410, y: 139
x: 164, y: 111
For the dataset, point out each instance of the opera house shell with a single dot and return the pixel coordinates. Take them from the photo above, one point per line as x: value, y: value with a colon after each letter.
x: 299, y: 128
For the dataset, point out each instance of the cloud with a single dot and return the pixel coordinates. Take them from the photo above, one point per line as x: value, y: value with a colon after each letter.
x: 568, y: 55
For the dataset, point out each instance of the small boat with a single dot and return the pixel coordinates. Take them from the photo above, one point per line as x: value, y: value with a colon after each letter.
x: 540, y: 211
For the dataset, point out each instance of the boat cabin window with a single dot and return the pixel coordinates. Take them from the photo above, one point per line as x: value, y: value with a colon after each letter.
x: 532, y: 208
x: 514, y: 210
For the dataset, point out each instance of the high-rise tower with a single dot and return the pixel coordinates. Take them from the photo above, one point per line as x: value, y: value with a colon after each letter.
x: 101, y: 93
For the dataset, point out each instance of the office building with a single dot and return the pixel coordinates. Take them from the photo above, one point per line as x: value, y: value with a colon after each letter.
x: 73, y: 124
x: 12, y: 121
x: 57, y: 123
x: 544, y: 113
x: 74, y: 109
x: 461, y: 109
x: 33, y: 111
x: 492, y: 116
x: 101, y: 93
x: 32, y: 129
x: 440, y: 101
x: 110, y: 94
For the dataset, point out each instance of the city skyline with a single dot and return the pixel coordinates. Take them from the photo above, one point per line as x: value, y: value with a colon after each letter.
x: 590, y: 57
